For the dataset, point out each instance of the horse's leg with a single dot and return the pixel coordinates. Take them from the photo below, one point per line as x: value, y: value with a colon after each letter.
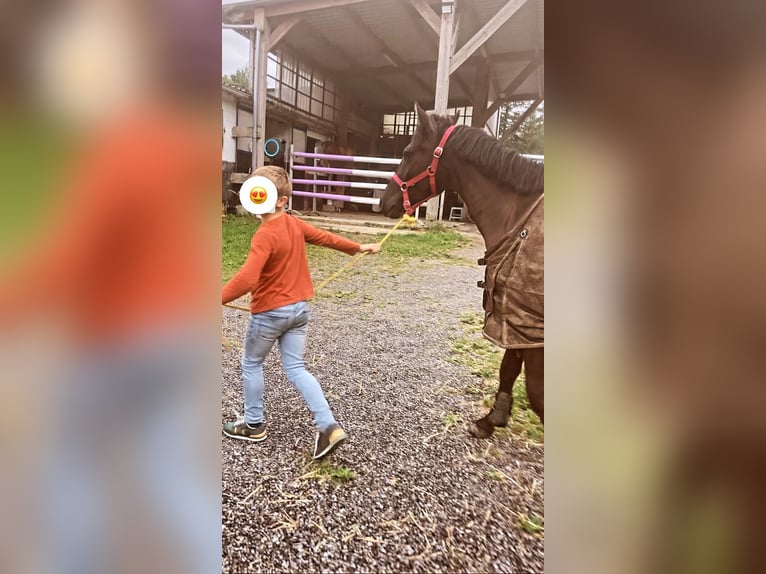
x: 498, y: 416
x: 534, y: 362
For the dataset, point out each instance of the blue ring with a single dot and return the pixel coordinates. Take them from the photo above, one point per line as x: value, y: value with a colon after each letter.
x: 276, y: 141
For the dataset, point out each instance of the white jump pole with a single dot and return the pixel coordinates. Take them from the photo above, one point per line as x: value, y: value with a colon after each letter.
x: 352, y: 158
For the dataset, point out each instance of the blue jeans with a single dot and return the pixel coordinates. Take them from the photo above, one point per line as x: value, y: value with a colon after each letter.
x: 288, y: 325
x: 128, y: 410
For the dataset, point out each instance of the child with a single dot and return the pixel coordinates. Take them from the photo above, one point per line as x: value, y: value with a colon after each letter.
x: 276, y: 274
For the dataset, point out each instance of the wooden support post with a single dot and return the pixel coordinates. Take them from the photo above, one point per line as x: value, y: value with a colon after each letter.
x: 342, y: 127
x: 442, y: 81
x: 445, y: 52
x: 259, y: 52
x: 262, y: 87
x: 480, y: 95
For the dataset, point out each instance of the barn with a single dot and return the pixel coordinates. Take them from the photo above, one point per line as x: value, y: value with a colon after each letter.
x: 342, y: 76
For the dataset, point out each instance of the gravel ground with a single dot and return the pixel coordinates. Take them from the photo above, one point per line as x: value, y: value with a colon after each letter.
x: 424, y: 495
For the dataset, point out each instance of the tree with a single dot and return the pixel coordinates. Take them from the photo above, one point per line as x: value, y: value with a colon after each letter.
x: 240, y: 79
x: 529, y: 137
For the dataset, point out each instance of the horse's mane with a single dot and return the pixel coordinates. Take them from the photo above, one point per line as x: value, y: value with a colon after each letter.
x: 493, y: 158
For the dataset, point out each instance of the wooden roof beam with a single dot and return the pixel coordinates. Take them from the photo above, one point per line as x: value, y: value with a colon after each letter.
x: 281, y: 31
x: 473, y: 23
x: 508, y: 92
x: 453, y: 103
x: 484, y: 33
x: 386, y: 51
x: 424, y: 9
x: 353, y: 62
x: 434, y: 42
x: 300, y: 6
x: 498, y: 58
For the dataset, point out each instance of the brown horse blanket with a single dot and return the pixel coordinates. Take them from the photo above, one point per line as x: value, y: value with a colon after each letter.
x: 514, y: 285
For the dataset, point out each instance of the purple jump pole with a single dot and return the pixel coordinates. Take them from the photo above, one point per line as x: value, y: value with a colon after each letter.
x: 332, y: 196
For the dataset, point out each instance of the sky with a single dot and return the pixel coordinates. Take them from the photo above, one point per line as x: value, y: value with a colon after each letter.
x: 234, y: 51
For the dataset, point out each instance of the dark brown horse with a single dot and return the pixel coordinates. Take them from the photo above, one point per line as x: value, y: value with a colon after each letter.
x: 503, y: 191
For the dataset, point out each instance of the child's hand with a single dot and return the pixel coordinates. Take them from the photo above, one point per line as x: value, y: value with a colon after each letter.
x: 371, y: 248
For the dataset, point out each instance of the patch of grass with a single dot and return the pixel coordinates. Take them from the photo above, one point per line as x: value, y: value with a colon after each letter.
x: 532, y: 524
x: 483, y: 359
x: 493, y: 452
x: 451, y: 419
x: 35, y: 160
x: 496, y: 475
x: 524, y: 421
x: 477, y: 355
x: 474, y: 352
x: 324, y: 470
x: 237, y: 231
x: 430, y: 244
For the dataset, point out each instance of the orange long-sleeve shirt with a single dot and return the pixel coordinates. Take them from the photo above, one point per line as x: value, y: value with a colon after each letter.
x: 276, y: 271
x: 132, y: 247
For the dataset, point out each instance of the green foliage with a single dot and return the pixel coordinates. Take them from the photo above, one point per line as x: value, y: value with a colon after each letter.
x: 529, y: 137
x: 240, y: 79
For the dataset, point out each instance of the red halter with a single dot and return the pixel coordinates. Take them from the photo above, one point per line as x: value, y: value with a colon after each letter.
x: 429, y: 172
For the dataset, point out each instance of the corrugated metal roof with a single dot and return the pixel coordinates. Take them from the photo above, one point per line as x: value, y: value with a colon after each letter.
x: 346, y: 40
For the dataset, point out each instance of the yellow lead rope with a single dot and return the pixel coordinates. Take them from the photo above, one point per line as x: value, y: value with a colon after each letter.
x: 347, y: 266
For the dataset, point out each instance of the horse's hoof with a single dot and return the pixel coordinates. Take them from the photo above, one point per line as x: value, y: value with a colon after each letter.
x: 501, y: 410
x: 481, y: 428
x: 498, y: 418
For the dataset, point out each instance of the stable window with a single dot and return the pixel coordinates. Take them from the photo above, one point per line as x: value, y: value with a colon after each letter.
x: 304, y: 85
x: 272, y: 72
x: 287, y: 95
x: 299, y: 85
x: 303, y: 102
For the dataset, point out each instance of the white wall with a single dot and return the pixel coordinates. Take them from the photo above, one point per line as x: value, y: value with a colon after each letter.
x: 299, y: 140
x: 245, y: 121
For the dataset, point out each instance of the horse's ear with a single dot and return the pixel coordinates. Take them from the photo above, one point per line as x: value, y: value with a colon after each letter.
x: 424, y: 120
x: 456, y: 117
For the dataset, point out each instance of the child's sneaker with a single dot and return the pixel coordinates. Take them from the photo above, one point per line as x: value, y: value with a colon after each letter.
x: 328, y: 440
x: 243, y: 431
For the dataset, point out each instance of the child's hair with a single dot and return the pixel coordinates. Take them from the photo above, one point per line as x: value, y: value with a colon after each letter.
x: 279, y: 177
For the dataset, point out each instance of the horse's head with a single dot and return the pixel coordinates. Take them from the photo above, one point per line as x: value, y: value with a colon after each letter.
x: 415, y: 179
